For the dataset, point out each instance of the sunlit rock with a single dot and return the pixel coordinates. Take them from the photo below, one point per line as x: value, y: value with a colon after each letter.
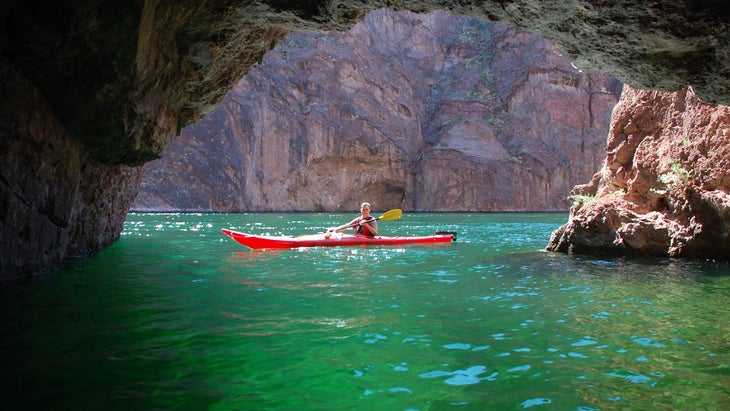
x: 427, y: 112
x: 663, y: 189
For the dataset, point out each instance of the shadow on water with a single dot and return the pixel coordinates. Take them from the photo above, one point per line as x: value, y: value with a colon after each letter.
x: 617, y: 269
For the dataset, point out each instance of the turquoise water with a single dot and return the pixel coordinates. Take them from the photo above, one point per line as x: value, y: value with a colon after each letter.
x: 175, y: 316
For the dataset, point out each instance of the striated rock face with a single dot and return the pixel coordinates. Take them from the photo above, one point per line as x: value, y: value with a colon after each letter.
x: 664, y: 189
x: 422, y: 112
x: 70, y: 205
x: 103, y: 87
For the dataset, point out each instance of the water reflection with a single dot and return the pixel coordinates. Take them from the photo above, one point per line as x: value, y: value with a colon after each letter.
x: 618, y: 269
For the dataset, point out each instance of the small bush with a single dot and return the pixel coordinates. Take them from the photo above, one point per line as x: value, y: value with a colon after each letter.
x: 579, y: 200
x: 677, y: 175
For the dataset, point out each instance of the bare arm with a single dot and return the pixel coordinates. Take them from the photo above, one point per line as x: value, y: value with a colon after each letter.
x: 345, y: 226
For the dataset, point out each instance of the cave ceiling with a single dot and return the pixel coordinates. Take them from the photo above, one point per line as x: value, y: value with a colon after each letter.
x: 125, y: 76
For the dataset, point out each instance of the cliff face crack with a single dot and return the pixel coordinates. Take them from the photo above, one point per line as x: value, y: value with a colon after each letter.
x: 11, y: 189
x: 52, y: 217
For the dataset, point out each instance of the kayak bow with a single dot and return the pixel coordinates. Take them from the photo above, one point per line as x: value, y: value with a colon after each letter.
x: 331, y: 240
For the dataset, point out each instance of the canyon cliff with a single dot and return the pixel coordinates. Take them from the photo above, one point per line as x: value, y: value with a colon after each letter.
x: 426, y: 112
x: 93, y: 90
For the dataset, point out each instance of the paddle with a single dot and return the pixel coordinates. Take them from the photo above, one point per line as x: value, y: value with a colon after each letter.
x: 387, y: 216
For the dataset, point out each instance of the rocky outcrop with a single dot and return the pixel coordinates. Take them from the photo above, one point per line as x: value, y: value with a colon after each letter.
x: 113, y: 82
x: 664, y: 189
x: 427, y: 112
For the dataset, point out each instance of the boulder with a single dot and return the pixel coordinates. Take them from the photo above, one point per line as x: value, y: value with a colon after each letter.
x: 663, y: 188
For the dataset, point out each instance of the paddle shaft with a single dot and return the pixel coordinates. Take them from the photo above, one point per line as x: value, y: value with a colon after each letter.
x: 357, y: 223
x: 387, y: 216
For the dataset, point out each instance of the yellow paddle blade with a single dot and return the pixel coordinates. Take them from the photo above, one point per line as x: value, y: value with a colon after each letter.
x: 391, y: 215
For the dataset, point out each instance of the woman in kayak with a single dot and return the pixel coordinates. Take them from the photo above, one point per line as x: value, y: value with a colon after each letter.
x: 365, y: 224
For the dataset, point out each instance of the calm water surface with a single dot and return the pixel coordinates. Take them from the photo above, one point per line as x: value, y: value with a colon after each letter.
x: 175, y: 316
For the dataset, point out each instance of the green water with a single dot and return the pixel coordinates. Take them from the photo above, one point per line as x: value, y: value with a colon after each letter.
x: 175, y: 316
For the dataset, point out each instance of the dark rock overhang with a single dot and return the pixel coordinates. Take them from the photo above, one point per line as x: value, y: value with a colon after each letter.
x: 125, y: 76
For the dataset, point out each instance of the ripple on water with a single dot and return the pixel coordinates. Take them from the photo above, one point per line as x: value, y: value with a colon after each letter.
x: 630, y: 376
x: 458, y: 346
x: 536, y: 401
x: 583, y: 343
x: 468, y: 376
x: 647, y: 342
x: 520, y: 368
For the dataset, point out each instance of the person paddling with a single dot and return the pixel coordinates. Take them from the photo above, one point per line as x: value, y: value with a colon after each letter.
x: 364, y: 224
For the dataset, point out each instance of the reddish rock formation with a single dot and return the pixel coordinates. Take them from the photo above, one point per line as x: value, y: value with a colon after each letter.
x: 664, y: 187
x: 422, y: 112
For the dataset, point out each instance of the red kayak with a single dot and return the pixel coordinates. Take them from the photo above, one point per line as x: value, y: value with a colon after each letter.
x: 332, y: 240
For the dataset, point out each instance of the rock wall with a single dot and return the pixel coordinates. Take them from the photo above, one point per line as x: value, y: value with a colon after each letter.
x: 71, y: 204
x: 426, y: 112
x: 664, y: 189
